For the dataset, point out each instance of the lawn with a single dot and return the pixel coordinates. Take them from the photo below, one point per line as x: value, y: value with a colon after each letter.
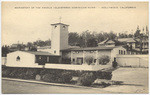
x: 135, y: 80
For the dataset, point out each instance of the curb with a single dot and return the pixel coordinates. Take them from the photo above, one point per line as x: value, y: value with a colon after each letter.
x: 47, y: 83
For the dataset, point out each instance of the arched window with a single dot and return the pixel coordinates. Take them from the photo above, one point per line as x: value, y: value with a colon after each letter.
x: 64, y: 27
x: 124, y: 52
x: 18, y: 58
x: 55, y: 26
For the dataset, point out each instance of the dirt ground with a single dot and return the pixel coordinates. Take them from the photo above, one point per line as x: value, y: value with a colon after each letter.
x: 135, y: 80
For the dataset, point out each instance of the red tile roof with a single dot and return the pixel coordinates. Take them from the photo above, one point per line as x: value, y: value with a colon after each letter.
x: 59, y: 23
x: 91, y: 48
x: 40, y: 53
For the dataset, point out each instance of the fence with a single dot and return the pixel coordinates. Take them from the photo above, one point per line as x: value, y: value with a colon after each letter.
x: 133, y: 60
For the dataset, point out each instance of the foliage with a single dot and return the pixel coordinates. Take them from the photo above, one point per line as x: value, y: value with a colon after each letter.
x: 104, y: 75
x: 49, y: 78
x: 91, y: 38
x: 104, y: 60
x: 55, y: 75
x: 64, y: 77
x: 86, y: 79
x: 5, y: 50
x: 66, y: 60
x: 31, y: 73
x: 89, y: 59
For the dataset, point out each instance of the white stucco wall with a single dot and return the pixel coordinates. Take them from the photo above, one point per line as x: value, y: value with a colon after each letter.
x: 55, y: 36
x: 63, y: 37
x: 77, y: 67
x: 95, y: 54
x: 45, y: 50
x: 115, y: 52
x: 59, y: 38
x: 133, y: 60
x: 26, y: 59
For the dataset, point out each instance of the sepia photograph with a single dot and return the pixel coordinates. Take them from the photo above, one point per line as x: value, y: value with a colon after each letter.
x: 74, y: 47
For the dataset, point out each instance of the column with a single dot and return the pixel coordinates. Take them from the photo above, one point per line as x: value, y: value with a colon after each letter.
x: 97, y: 60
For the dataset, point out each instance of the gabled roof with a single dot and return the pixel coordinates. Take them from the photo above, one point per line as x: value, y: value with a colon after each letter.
x: 110, y: 42
x: 103, y: 42
x: 44, y: 47
x: 59, y: 24
x: 40, y: 53
x: 128, y: 40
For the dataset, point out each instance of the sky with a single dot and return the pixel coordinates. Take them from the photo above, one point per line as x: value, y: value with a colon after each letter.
x: 31, y: 21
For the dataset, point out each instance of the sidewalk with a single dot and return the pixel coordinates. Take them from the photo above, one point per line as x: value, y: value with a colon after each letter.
x: 45, y: 83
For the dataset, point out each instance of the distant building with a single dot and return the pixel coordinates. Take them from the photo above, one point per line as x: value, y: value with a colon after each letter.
x: 133, y: 45
x: 15, y: 47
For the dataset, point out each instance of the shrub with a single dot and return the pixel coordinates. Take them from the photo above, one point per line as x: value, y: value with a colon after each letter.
x: 13, y: 73
x: 89, y: 60
x: 49, y: 78
x: 6, y: 72
x: 30, y: 74
x: 104, y: 75
x: 104, y: 60
x: 21, y: 73
x: 66, y: 60
x: 86, y: 79
x: 65, y: 77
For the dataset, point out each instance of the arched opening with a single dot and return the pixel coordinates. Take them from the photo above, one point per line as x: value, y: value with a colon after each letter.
x: 18, y: 58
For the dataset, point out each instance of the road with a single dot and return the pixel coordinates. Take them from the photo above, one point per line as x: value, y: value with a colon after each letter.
x: 15, y: 87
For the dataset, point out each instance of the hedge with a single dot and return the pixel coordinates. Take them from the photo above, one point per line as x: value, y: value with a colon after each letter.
x: 51, y: 75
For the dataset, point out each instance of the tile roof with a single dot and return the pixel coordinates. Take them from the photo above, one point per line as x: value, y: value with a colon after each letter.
x: 103, y: 42
x: 40, y: 53
x: 91, y: 48
x: 110, y: 42
x: 59, y: 23
x: 44, y: 47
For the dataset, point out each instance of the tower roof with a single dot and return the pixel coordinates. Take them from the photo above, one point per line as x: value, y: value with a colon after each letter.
x: 59, y: 24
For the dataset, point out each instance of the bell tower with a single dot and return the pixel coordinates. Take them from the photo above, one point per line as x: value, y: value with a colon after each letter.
x: 59, y: 37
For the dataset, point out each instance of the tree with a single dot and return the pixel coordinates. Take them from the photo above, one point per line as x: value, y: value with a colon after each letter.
x: 91, y: 42
x: 73, y: 38
x: 5, y: 50
x: 137, y: 33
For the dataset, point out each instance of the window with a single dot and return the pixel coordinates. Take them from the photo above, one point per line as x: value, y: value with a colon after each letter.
x: 64, y: 27
x: 119, y: 52
x: 124, y: 52
x: 55, y: 26
x: 94, y: 60
x: 73, y: 60
x: 18, y: 58
x: 55, y: 51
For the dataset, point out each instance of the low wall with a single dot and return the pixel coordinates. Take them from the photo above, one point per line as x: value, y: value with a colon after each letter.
x: 133, y: 60
x: 77, y: 67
